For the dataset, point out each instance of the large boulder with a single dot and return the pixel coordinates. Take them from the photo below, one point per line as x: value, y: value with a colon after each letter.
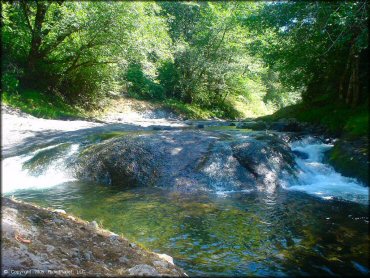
x: 267, y: 157
x: 350, y: 157
x: 125, y: 161
x: 189, y: 161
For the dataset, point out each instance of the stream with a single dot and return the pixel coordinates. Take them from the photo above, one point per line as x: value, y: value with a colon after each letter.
x: 219, y: 200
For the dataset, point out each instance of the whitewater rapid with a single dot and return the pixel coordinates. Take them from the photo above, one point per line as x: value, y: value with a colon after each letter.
x: 318, y: 178
x: 314, y: 176
x: 16, y: 177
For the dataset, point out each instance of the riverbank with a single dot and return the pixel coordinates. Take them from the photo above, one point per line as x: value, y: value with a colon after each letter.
x: 212, y: 156
x: 38, y: 241
x: 350, y: 155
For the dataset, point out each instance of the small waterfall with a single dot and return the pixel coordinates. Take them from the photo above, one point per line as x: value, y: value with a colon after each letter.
x: 320, y: 179
x: 15, y: 176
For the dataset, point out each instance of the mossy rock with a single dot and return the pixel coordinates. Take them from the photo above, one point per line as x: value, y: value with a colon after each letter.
x: 351, y: 158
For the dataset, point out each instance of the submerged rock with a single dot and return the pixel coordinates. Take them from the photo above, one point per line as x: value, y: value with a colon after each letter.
x: 301, y: 154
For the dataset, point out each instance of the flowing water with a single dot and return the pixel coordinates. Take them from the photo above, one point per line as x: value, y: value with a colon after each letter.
x: 315, y: 223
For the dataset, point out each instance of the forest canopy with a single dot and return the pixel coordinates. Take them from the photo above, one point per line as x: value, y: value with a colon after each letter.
x: 210, y: 54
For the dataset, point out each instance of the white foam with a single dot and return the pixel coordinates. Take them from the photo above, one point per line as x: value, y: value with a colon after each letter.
x: 320, y: 179
x: 14, y: 177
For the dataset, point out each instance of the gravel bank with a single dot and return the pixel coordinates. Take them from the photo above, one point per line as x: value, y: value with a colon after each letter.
x: 38, y: 241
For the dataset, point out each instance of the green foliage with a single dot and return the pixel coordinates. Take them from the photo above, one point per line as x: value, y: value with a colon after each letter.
x: 77, y: 49
x: 358, y: 124
x: 337, y: 117
x: 219, y: 57
x: 41, y: 105
x: 313, y: 47
x: 192, y: 111
x: 140, y: 86
x: 10, y: 82
x: 168, y: 77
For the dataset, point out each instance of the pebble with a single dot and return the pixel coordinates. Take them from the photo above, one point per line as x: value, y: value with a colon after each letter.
x: 58, y: 221
x: 93, y: 225
x: 132, y: 245
x: 113, y: 237
x: 166, y: 258
x: 49, y: 248
x: 75, y: 252
x: 88, y: 255
x: 123, y: 259
x: 61, y: 211
x: 143, y: 270
x: 160, y: 264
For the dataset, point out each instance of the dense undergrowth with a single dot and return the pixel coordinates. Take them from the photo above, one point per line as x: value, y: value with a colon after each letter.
x: 229, y: 60
x: 41, y: 105
x: 336, y: 117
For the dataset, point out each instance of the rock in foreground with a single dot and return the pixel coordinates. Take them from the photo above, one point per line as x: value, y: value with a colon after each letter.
x: 40, y: 241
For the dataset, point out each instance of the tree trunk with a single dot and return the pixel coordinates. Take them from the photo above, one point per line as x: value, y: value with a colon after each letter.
x: 37, y: 34
x: 34, y: 54
x: 355, y: 81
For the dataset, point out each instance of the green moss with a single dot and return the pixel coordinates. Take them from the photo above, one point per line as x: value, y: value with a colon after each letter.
x: 358, y: 124
x: 106, y: 136
x: 348, y: 164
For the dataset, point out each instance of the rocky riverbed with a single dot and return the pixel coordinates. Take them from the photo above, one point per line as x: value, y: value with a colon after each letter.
x: 107, y: 172
x: 37, y: 241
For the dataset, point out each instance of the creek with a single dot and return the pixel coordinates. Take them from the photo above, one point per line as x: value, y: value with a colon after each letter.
x: 225, y: 201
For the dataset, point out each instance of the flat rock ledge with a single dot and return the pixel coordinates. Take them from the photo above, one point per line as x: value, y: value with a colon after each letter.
x: 46, y: 242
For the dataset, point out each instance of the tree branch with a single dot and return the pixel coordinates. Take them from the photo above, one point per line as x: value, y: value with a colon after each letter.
x: 88, y: 64
x: 25, y: 11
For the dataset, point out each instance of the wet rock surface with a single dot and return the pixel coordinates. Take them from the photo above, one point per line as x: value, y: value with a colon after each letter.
x: 267, y: 158
x: 350, y: 157
x: 189, y: 160
x: 124, y: 161
x: 70, y: 247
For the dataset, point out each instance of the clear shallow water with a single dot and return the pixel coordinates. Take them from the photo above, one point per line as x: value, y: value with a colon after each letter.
x: 286, y: 232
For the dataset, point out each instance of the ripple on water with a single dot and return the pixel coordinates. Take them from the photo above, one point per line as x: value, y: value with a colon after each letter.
x: 252, y: 233
x: 230, y: 232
